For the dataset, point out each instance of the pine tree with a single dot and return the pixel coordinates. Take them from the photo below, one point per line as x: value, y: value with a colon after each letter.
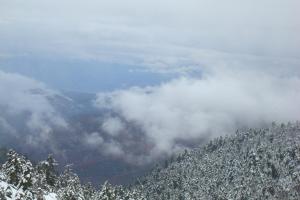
x: 46, y: 172
x: 69, y: 185
x: 2, y: 194
x: 18, y: 170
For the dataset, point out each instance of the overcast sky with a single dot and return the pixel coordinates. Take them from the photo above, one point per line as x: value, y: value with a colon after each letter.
x: 181, y: 69
x: 160, y: 35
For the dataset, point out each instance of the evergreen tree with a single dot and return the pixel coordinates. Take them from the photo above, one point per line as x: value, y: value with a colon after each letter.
x: 18, y: 170
x: 69, y: 185
x: 46, y: 172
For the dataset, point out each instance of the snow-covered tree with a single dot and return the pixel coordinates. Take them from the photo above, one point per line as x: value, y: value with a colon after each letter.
x: 250, y: 164
x: 45, y: 174
x: 109, y: 192
x: 18, y: 170
x: 69, y: 185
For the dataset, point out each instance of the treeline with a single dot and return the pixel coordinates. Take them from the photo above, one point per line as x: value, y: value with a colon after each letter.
x: 36, y: 182
x: 250, y: 164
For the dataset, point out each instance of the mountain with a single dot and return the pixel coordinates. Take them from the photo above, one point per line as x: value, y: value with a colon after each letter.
x: 250, y: 164
x: 22, y: 180
x: 94, y: 166
x: 78, y: 111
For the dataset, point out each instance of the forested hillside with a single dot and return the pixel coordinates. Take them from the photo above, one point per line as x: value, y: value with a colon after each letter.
x: 250, y: 164
x: 21, y: 180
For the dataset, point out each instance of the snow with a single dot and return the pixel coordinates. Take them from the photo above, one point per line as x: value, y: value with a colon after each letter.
x: 15, y: 191
x: 51, y: 196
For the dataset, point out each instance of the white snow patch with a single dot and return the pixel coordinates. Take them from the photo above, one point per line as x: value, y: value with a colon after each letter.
x: 15, y: 191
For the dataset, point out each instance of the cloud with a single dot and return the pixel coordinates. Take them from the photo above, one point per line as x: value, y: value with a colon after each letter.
x: 6, y: 127
x: 26, y: 102
x: 156, y: 34
x: 239, y: 61
x: 95, y: 140
x: 113, y: 126
x: 188, y: 109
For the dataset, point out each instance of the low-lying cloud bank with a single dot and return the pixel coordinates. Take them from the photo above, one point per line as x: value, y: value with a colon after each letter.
x: 25, y: 102
x: 239, y: 61
x: 187, y: 109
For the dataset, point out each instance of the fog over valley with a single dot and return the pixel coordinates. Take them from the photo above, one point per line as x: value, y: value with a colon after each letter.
x: 116, y: 87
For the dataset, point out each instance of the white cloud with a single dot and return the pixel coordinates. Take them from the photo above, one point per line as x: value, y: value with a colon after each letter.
x: 246, y: 51
x: 186, y: 109
x: 93, y: 140
x: 113, y: 126
x: 159, y: 34
x: 29, y: 99
x: 6, y: 127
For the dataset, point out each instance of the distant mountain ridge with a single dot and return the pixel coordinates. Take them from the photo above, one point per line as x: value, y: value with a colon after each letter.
x: 77, y: 109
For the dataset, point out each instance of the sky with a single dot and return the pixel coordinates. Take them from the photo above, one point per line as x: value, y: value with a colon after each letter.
x: 157, y: 36
x: 180, y: 70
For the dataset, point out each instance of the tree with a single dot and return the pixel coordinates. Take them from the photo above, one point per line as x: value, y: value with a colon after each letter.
x: 69, y: 185
x: 18, y: 170
x: 47, y: 170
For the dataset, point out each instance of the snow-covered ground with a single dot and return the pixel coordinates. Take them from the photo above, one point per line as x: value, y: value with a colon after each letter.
x: 15, y: 193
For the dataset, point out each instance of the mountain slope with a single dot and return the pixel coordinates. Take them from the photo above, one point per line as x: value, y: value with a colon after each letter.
x: 252, y: 164
x: 66, y: 143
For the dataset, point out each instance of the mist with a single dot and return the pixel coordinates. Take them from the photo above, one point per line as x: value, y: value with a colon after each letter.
x: 28, y: 102
x: 217, y: 104
x: 171, y: 72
